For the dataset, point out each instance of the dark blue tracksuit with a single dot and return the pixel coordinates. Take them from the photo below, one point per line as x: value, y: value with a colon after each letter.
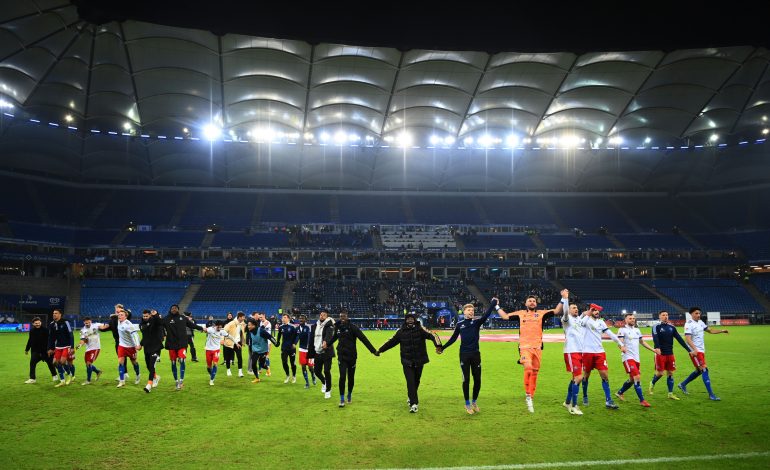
x: 470, y: 356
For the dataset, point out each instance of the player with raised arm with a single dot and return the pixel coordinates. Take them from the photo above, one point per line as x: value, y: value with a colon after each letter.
x: 663, y: 335
x: 468, y: 330
x: 574, y: 331
x: 631, y: 337
x: 128, y: 345
x: 89, y: 336
x: 60, y: 341
x: 288, y: 334
x: 214, y: 337
x: 530, y: 341
x: 594, y: 356
x: 414, y: 355
x: 693, y: 334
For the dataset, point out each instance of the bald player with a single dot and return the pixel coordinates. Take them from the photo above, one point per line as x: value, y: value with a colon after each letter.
x: 531, y: 340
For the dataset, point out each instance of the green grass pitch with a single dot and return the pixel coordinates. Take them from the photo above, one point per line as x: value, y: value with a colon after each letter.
x: 275, y: 425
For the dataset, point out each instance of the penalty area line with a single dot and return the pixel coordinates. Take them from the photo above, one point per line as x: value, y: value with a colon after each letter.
x: 605, y: 463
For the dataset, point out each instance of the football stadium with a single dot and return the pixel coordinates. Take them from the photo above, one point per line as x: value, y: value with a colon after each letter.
x: 286, y: 237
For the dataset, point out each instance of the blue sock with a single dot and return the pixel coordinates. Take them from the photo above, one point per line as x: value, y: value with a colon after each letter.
x: 707, y: 382
x: 72, y: 369
x: 467, y: 403
x: 350, y: 394
x: 585, y: 387
x: 606, y: 388
x: 60, y: 368
x: 638, y: 390
x: 122, y: 372
x: 569, y: 393
x: 342, y: 398
x: 173, y: 369
x: 213, y: 372
x: 670, y: 383
x: 304, y: 374
x: 692, y: 377
x: 655, y: 379
x: 626, y: 386
x: 575, y: 393
x: 88, y: 372
x: 181, y: 369
x: 136, y: 368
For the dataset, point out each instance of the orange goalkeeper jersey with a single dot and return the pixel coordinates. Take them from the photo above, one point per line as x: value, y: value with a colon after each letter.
x: 531, y: 328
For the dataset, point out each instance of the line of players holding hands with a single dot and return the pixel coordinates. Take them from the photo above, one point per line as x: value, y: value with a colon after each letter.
x: 583, y: 349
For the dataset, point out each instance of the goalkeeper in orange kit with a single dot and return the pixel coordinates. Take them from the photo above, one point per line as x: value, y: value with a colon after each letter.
x: 530, y: 341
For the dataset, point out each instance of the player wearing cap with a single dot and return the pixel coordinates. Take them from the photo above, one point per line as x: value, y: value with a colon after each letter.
x: 304, y: 340
x: 693, y: 334
x: 414, y: 355
x: 663, y: 335
x: 574, y: 331
x: 530, y: 341
x: 128, y: 345
x: 215, y: 334
x: 631, y: 337
x: 468, y: 330
x: 594, y: 356
x: 89, y: 336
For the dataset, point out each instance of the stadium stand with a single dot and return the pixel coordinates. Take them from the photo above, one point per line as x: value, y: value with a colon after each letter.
x: 217, y: 297
x: 712, y: 295
x: 98, y: 297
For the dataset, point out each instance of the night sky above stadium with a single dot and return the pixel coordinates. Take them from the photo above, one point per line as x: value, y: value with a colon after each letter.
x: 531, y: 27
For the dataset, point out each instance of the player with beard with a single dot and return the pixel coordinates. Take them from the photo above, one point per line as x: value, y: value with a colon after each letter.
x: 631, y: 337
x: 531, y: 324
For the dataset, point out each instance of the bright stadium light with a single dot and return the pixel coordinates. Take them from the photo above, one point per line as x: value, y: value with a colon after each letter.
x: 69, y: 118
x: 5, y: 104
x: 468, y: 141
x: 340, y: 137
x: 647, y: 140
x: 353, y: 137
x: 212, y: 131
x: 449, y: 140
x: 434, y: 139
x: 617, y: 140
x: 404, y: 139
x: 263, y: 133
x: 126, y: 126
x: 714, y: 138
x: 512, y: 140
x: 324, y: 136
x: 308, y: 136
x: 570, y: 141
x: 764, y: 131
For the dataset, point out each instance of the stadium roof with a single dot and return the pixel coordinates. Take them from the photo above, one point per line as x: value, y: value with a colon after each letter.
x: 150, y: 81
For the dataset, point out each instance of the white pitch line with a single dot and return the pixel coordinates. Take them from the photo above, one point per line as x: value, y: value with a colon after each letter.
x: 589, y: 463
